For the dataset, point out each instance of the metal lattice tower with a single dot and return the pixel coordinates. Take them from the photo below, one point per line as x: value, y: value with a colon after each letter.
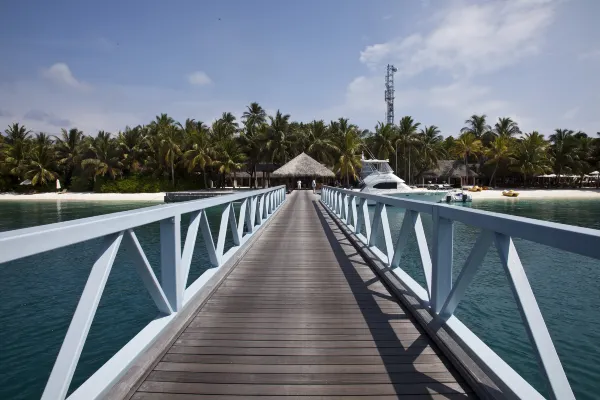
x: 389, y: 93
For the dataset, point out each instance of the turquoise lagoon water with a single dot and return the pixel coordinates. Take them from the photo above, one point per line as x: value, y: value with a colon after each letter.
x: 38, y: 295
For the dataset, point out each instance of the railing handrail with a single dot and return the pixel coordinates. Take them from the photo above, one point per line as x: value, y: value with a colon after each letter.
x: 170, y: 293
x: 574, y: 239
x: 25, y: 242
x: 442, y: 294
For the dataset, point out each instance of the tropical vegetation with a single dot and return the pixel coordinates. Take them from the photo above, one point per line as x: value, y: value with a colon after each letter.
x: 169, y: 155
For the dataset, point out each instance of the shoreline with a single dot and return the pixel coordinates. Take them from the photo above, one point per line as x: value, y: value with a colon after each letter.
x: 539, y: 194
x: 84, y: 196
x: 530, y: 194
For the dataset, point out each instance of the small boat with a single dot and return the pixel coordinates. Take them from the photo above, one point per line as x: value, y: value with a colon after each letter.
x: 510, y: 193
x: 458, y: 197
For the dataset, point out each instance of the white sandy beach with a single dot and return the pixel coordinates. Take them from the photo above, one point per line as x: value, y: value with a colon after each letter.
x: 158, y: 197
x: 538, y: 194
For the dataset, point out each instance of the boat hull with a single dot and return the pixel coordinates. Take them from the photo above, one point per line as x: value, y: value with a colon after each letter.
x: 430, y: 196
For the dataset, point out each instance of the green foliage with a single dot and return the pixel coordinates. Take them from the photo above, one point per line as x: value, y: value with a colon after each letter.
x: 166, y: 155
x: 81, y: 184
x: 144, y: 184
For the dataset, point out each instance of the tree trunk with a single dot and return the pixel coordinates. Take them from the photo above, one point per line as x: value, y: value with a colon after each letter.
x: 409, y: 177
x: 204, y: 178
x: 493, y: 175
x: 466, y: 169
x: 404, y: 162
x: 173, y: 173
x: 255, y: 177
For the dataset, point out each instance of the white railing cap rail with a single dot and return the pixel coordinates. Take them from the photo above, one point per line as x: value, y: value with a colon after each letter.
x: 574, y: 239
x: 29, y: 241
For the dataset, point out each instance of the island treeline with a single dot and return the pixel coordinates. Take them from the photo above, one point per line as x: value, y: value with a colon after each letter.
x: 170, y: 155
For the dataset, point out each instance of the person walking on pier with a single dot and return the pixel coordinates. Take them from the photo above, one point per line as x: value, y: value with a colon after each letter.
x: 299, y: 184
x: 314, y: 186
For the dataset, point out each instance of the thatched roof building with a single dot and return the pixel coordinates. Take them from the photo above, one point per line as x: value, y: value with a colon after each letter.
x: 447, y: 169
x: 303, y: 166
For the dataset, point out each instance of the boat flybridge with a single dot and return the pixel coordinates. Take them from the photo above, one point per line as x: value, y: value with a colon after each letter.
x: 377, y: 177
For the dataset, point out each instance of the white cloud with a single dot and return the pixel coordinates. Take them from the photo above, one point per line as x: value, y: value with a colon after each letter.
x: 469, y: 39
x: 199, y: 78
x: 60, y: 73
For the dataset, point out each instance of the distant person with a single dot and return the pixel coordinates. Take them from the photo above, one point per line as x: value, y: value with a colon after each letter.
x: 299, y: 184
x: 314, y: 186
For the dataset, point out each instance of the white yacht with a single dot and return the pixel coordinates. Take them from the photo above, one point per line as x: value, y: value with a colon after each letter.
x: 377, y: 177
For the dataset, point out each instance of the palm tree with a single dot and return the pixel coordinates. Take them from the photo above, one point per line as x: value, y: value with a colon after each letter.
x: 40, y: 168
x: 349, y: 155
x: 530, y: 156
x: 499, y: 150
x: 383, y: 141
x: 104, y: 157
x: 278, y: 143
x: 320, y: 143
x: 17, y: 140
x: 133, y: 144
x: 563, y: 144
x: 200, y: 153
x: 229, y: 158
x: 506, y: 127
x: 68, y: 151
x: 170, y: 141
x: 168, y: 138
x: 466, y: 145
x: 477, y: 125
x: 407, y: 130
x: 254, y: 116
x: 229, y: 125
x: 253, y: 141
x: 584, y: 155
x: 430, y: 147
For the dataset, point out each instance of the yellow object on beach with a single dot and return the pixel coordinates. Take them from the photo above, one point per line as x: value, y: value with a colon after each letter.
x: 510, y: 193
x: 475, y: 189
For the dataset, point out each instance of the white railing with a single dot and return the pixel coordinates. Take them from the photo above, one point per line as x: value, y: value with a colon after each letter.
x: 441, y: 297
x: 170, y: 294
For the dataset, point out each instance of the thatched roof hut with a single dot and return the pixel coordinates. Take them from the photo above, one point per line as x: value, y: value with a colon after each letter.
x: 450, y: 169
x: 303, y: 166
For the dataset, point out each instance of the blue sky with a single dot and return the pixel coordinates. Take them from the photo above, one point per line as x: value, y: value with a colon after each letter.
x: 105, y: 65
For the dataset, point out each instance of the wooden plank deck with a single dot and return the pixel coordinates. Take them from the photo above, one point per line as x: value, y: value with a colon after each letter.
x: 302, y: 316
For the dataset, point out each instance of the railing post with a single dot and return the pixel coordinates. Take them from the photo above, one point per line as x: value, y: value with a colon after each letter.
x: 170, y: 260
x: 346, y: 201
x: 441, y: 274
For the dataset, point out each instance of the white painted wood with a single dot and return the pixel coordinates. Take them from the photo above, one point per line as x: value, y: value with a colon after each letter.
x: 222, y: 232
x: 188, y: 247
x: 208, y: 240
x: 408, y: 226
x: 441, y: 271
x: 70, y: 351
x: 472, y: 264
x: 170, y: 261
x: 144, y: 270
x: 535, y: 325
x: 233, y: 226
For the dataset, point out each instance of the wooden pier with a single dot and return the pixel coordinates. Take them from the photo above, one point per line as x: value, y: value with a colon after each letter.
x: 308, y: 299
x: 301, y: 315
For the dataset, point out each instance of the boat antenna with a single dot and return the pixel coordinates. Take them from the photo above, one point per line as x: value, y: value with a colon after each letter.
x: 369, y: 153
